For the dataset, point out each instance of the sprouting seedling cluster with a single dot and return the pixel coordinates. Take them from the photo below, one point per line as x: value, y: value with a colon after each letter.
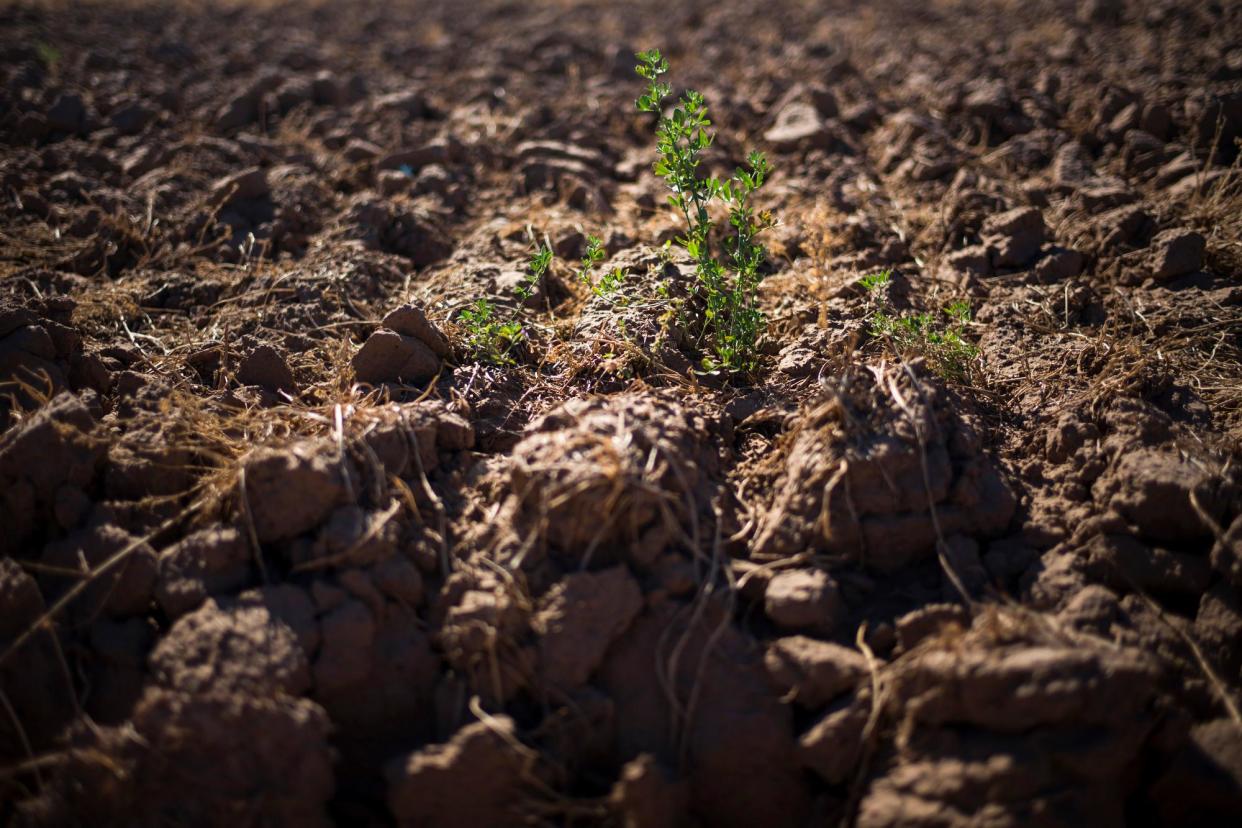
x: 492, y: 338
x: 594, y: 254
x: 488, y: 337
x: 536, y: 269
x: 727, y: 285
x: 938, y: 341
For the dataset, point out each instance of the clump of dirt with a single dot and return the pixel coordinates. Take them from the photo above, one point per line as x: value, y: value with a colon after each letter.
x: 881, y: 471
x: 407, y: 347
x: 973, y: 706
x: 616, y: 478
x: 47, y: 462
x: 193, y: 757
x: 475, y: 779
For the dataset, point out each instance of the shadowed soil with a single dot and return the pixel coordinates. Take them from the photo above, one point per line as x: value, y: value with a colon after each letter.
x: 277, y: 548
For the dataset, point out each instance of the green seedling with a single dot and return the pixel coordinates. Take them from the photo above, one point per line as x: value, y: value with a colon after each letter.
x: 610, y: 281
x: 727, y: 286
x: 488, y: 337
x: 941, y: 344
x: 48, y: 54
x: 536, y: 269
x: 873, y: 282
x: 491, y: 338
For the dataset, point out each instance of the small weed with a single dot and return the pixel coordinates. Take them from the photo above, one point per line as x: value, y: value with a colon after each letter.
x: 491, y: 338
x: 536, y: 269
x: 941, y: 344
x: 732, y: 320
x: 877, y: 281
x: 610, y: 281
x: 48, y: 54
x: 487, y: 337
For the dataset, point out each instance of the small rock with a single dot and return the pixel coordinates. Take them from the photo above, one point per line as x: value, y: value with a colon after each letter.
x: 392, y: 182
x: 803, y: 599
x: 52, y: 448
x: 289, y: 604
x: 915, y: 626
x: 453, y: 431
x: 797, y: 361
x: 411, y: 320
x: 293, y: 93
x: 1125, y: 120
x: 292, y: 490
x: 264, y: 366
x: 388, y: 356
x: 353, y: 536
x: 132, y: 118
x: 833, y: 747
x: 1153, y: 489
x: 244, y: 107
x: 1058, y: 266
x: 1072, y: 164
x: 248, y: 185
x: 67, y: 114
x: 239, y: 650
x: 988, y: 99
x: 1103, y: 197
x: 1177, y: 169
x: 973, y: 259
x: 798, y: 124
x: 410, y: 103
x: 358, y: 150
x: 475, y: 779
x: 1218, y: 624
x: 1123, y: 562
x: 579, y: 618
x: 200, y: 564
x: 126, y: 589
x: 327, y: 90
x: 810, y: 672
x: 1202, y: 184
x: 861, y: 116
x: 647, y: 795
x: 399, y: 579
x: 1015, y: 236
x: 1176, y: 253
x: 1126, y: 226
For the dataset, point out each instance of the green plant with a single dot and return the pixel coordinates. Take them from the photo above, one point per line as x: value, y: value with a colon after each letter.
x: 536, y: 269
x: 610, y: 281
x: 732, y: 321
x: 877, y: 281
x: 940, y: 343
x: 491, y: 338
x: 488, y: 337
x: 48, y: 54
